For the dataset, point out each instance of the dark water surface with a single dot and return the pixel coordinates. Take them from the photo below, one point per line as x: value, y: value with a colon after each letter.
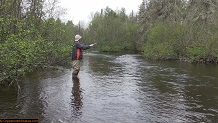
x: 116, y: 89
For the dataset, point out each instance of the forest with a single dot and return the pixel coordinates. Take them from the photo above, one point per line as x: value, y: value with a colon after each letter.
x: 33, y: 36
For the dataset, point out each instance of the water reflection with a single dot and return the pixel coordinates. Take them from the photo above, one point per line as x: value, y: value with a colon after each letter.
x: 8, y: 98
x: 76, y: 99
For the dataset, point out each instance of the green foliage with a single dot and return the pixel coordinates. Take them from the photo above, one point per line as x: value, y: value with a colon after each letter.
x: 203, y: 41
x: 179, y: 29
x: 171, y: 41
x: 23, y: 55
x: 195, y: 51
x: 113, y: 31
x: 29, y: 42
x: 162, y: 41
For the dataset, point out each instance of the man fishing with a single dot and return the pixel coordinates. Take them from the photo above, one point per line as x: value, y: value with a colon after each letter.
x: 77, y: 54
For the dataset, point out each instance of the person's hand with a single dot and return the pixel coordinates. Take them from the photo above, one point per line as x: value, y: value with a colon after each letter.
x: 91, y: 45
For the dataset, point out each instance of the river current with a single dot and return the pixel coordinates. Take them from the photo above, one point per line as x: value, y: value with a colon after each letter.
x: 116, y: 88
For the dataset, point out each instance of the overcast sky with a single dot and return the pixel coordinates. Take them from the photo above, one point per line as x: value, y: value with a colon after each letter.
x: 80, y: 10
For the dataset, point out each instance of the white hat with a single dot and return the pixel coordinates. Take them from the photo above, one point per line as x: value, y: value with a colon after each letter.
x: 77, y: 37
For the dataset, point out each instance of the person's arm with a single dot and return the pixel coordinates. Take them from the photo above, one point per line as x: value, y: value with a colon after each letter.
x: 83, y: 47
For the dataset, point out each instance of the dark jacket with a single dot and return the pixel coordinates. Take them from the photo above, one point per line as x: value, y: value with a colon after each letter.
x: 77, y: 51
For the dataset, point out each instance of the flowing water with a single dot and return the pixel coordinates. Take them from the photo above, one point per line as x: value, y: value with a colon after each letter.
x: 116, y: 88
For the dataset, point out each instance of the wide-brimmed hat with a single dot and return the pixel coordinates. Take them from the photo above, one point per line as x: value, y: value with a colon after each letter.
x: 77, y: 37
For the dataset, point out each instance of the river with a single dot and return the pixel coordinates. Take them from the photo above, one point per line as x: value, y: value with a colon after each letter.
x: 116, y: 88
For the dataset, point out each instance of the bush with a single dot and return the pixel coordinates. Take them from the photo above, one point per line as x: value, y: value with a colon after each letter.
x: 162, y: 41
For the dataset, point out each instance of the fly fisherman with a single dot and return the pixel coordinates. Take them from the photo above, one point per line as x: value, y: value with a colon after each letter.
x: 77, y: 54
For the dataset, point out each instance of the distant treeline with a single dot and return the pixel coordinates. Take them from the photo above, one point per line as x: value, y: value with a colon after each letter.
x: 33, y: 36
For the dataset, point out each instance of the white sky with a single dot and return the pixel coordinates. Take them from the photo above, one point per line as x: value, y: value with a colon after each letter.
x: 80, y: 10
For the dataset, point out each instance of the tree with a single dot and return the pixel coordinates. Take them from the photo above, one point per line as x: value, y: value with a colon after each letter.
x: 29, y: 39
